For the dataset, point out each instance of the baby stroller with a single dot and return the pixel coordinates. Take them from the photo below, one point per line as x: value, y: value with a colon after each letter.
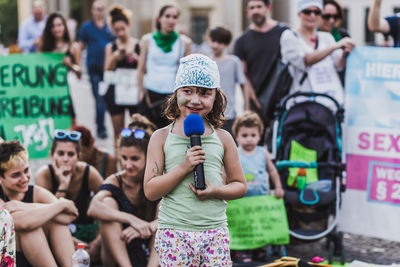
x: 307, y: 151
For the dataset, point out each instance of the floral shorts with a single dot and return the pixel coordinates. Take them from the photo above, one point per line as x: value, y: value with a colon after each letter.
x: 184, y: 248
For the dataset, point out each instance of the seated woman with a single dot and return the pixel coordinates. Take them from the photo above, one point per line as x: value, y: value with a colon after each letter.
x: 127, y: 219
x: 41, y: 220
x: 70, y: 178
x: 104, y: 162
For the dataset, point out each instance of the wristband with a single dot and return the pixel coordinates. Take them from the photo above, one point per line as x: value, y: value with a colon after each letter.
x: 62, y: 190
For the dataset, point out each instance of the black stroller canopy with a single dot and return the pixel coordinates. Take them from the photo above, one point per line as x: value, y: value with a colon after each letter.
x: 314, y: 126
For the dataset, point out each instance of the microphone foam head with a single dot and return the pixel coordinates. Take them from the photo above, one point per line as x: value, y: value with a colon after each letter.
x: 193, y: 124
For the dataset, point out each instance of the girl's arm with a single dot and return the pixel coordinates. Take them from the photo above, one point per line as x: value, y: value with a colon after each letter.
x: 111, y: 166
x: 66, y: 216
x: 99, y: 210
x: 111, y: 57
x: 236, y: 186
x: 95, y: 180
x: 42, y: 178
x: 156, y: 183
x: 144, y: 46
x: 273, y: 173
x: 43, y: 212
x: 346, y: 44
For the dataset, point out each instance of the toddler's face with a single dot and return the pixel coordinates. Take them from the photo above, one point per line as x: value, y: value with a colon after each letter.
x: 248, y: 138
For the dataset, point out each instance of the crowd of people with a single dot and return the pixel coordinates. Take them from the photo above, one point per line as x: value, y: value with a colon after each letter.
x: 111, y: 202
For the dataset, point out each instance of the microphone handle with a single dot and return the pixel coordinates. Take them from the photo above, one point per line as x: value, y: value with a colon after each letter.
x: 198, y: 172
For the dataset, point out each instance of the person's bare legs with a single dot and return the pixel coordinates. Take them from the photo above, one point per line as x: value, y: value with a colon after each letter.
x: 95, y: 250
x: 111, y: 240
x: 118, y: 123
x: 35, y: 248
x: 61, y: 243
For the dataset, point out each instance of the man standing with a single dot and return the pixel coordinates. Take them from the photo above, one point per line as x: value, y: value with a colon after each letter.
x: 95, y: 34
x: 258, y: 47
x: 31, y: 29
x: 389, y: 25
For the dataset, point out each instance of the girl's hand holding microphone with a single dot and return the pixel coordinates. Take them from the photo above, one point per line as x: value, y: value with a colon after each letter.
x: 194, y: 156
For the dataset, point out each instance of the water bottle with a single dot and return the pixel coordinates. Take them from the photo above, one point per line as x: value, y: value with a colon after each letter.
x: 301, y: 179
x: 80, y: 258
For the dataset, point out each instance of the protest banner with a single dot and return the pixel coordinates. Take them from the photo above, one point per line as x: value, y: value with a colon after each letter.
x: 34, y: 100
x: 257, y: 221
x: 371, y: 204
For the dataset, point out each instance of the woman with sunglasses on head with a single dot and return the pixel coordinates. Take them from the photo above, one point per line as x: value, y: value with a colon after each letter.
x: 40, y: 219
x: 121, y: 53
x: 310, y: 53
x: 56, y: 39
x: 127, y: 219
x: 67, y: 177
x: 159, y: 63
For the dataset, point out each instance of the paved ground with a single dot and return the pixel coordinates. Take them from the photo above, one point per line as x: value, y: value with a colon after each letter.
x: 357, y: 247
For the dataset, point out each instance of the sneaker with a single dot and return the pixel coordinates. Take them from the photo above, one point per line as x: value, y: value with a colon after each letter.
x: 102, y: 134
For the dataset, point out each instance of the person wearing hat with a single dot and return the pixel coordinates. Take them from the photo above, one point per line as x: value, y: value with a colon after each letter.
x: 192, y: 223
x: 311, y: 53
x: 389, y: 25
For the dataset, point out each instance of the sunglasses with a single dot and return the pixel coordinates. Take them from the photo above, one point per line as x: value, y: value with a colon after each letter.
x: 329, y: 16
x: 309, y: 11
x: 62, y: 134
x: 137, y: 133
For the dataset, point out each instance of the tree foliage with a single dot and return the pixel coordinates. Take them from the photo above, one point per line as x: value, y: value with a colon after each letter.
x: 8, y: 21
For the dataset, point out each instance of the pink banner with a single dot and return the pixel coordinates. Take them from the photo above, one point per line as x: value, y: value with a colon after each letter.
x: 380, y: 177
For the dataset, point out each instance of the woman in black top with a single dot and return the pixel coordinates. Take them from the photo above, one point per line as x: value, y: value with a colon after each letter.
x: 40, y: 219
x: 127, y: 219
x: 56, y: 39
x: 122, y: 53
x: 70, y: 178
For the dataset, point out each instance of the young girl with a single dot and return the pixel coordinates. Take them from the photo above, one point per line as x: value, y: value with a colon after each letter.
x: 192, y: 224
x: 127, y: 219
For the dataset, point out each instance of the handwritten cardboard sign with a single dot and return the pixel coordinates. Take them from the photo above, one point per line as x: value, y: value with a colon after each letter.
x: 257, y: 221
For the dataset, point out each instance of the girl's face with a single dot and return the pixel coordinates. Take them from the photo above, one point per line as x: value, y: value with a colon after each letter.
x: 309, y: 17
x: 65, y: 154
x: 57, y: 28
x: 121, y: 29
x: 168, y: 20
x: 329, y: 18
x: 133, y: 161
x: 248, y: 138
x: 17, y: 178
x: 197, y: 100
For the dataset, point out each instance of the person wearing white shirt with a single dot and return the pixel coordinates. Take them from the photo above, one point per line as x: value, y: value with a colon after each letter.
x: 31, y: 29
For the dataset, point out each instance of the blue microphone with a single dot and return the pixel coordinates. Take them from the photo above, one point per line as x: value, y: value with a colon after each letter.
x: 193, y: 125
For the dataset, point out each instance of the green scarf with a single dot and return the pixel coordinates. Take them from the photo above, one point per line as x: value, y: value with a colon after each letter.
x: 165, y: 41
x: 336, y: 34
